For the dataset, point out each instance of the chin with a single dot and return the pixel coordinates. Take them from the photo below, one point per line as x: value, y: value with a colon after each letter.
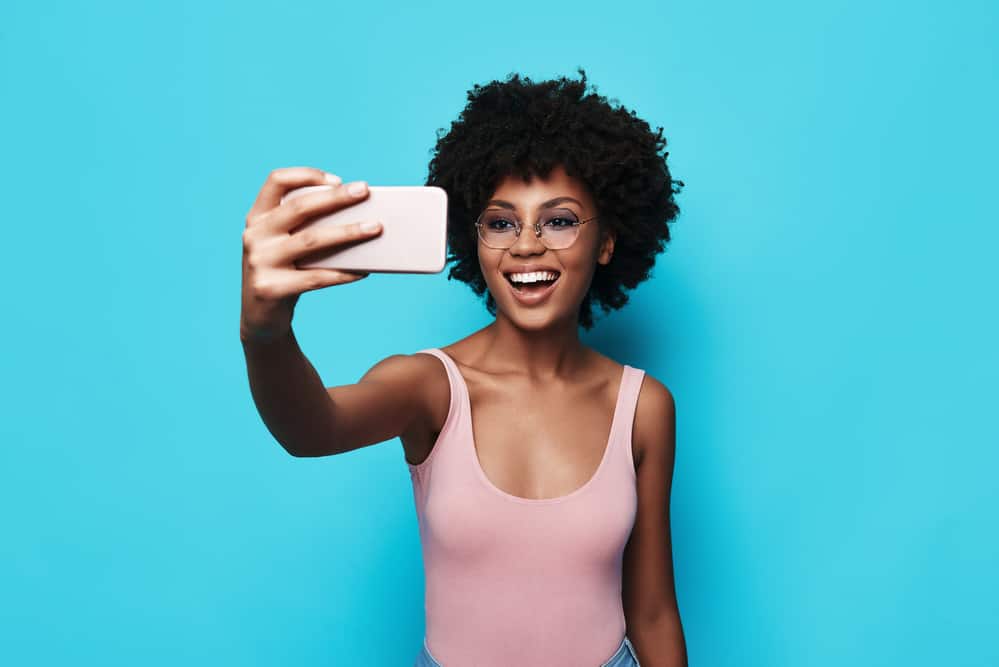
x: 533, y: 319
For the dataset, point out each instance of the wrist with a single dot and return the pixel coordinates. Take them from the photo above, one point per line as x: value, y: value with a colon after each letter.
x: 255, y: 336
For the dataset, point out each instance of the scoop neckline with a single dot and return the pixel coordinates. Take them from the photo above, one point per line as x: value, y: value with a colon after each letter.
x: 537, y: 501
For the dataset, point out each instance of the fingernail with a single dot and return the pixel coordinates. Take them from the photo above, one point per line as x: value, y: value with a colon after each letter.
x: 333, y: 179
x: 357, y: 188
x: 370, y: 226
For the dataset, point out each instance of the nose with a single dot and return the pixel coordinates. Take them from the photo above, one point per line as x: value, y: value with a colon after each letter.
x: 528, y: 243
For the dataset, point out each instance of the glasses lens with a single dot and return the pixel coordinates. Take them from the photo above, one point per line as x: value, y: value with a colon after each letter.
x: 559, y: 228
x: 498, y: 228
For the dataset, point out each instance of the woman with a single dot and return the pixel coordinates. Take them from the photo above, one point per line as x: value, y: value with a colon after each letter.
x: 541, y: 468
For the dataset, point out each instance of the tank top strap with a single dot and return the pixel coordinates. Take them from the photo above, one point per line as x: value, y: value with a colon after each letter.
x: 624, y: 420
x: 456, y: 382
x: 629, y: 391
x: 459, y: 392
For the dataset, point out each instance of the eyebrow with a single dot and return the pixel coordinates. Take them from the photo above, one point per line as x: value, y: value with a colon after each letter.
x: 551, y: 202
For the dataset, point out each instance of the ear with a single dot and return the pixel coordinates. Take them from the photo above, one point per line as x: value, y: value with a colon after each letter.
x: 606, y: 247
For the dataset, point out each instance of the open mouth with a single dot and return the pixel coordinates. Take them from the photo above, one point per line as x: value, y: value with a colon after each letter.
x: 534, y: 285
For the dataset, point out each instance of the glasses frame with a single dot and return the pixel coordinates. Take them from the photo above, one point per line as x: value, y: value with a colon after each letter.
x: 519, y: 226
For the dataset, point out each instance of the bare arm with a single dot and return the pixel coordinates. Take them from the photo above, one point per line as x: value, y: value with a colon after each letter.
x: 305, y: 417
x: 311, y: 420
x: 289, y: 394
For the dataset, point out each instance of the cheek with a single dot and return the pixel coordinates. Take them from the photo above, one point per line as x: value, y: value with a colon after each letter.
x: 582, y: 261
x: 489, y: 264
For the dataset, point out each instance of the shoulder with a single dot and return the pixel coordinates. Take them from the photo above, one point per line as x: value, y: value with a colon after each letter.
x: 420, y: 374
x: 655, y: 419
x: 413, y: 368
x: 425, y: 381
x: 654, y: 425
x: 430, y: 372
x: 655, y: 394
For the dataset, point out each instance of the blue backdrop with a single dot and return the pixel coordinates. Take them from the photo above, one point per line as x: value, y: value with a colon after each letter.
x: 825, y: 318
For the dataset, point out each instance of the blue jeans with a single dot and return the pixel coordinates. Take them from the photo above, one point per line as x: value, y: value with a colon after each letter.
x: 625, y: 656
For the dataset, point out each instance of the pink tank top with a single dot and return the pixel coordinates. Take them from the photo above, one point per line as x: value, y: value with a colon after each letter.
x: 521, y: 581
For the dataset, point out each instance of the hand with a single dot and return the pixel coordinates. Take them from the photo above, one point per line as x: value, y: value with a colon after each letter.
x: 272, y: 282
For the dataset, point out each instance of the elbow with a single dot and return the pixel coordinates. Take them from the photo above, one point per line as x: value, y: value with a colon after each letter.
x: 294, y: 449
x: 291, y: 451
x: 300, y: 451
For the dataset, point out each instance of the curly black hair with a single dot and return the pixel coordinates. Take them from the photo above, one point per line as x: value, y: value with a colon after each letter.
x: 526, y: 128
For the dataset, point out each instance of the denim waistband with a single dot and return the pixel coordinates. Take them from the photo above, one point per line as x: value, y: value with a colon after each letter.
x: 625, y: 656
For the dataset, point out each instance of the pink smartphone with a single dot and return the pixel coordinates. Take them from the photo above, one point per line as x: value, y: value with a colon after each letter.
x: 414, y: 230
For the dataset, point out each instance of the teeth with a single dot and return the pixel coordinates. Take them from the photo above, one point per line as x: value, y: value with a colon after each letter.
x: 533, y: 277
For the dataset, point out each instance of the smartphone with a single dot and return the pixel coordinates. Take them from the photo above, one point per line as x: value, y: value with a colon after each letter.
x: 413, y: 237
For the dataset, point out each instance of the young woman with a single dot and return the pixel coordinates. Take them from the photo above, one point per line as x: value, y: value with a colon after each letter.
x: 541, y: 468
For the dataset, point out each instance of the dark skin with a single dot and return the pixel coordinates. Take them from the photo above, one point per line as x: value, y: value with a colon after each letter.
x: 543, y: 401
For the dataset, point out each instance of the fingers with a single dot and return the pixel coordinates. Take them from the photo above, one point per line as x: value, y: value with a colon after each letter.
x: 280, y: 181
x: 318, y: 278
x: 271, y: 281
x: 295, y: 282
x: 316, y: 240
x: 295, y: 212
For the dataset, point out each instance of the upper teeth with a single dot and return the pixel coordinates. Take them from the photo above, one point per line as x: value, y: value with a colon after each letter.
x: 532, y: 277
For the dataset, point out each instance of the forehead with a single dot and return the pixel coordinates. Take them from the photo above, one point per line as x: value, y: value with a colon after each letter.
x: 530, y: 195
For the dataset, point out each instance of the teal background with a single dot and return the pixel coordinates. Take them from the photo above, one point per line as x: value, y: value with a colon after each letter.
x: 825, y: 318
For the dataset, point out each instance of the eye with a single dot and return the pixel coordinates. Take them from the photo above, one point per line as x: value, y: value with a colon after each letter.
x: 561, y: 221
x: 499, y: 224
x: 497, y: 221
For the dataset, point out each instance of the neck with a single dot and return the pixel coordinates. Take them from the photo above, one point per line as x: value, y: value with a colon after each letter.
x: 554, y: 351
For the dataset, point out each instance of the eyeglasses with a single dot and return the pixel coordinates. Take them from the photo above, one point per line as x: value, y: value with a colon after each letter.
x: 557, y: 228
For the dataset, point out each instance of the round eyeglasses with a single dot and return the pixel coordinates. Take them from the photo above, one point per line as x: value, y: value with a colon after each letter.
x: 557, y: 228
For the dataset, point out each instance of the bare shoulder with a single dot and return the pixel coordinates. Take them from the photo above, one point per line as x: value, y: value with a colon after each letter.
x: 655, y: 419
x: 433, y: 394
x: 416, y: 363
x: 421, y: 373
x: 653, y: 431
x: 436, y: 387
x: 408, y: 371
x: 396, y: 396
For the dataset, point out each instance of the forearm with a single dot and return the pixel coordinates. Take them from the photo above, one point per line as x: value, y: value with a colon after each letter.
x: 660, y: 643
x: 288, y: 393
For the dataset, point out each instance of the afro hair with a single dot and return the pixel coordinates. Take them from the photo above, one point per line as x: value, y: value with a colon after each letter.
x: 526, y: 128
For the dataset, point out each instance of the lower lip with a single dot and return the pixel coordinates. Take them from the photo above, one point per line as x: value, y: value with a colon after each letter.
x: 532, y: 298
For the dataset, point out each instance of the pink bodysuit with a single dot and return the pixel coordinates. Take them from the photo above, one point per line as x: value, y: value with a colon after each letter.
x: 521, y: 581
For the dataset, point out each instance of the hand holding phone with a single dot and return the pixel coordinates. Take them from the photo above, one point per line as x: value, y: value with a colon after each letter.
x: 272, y: 283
